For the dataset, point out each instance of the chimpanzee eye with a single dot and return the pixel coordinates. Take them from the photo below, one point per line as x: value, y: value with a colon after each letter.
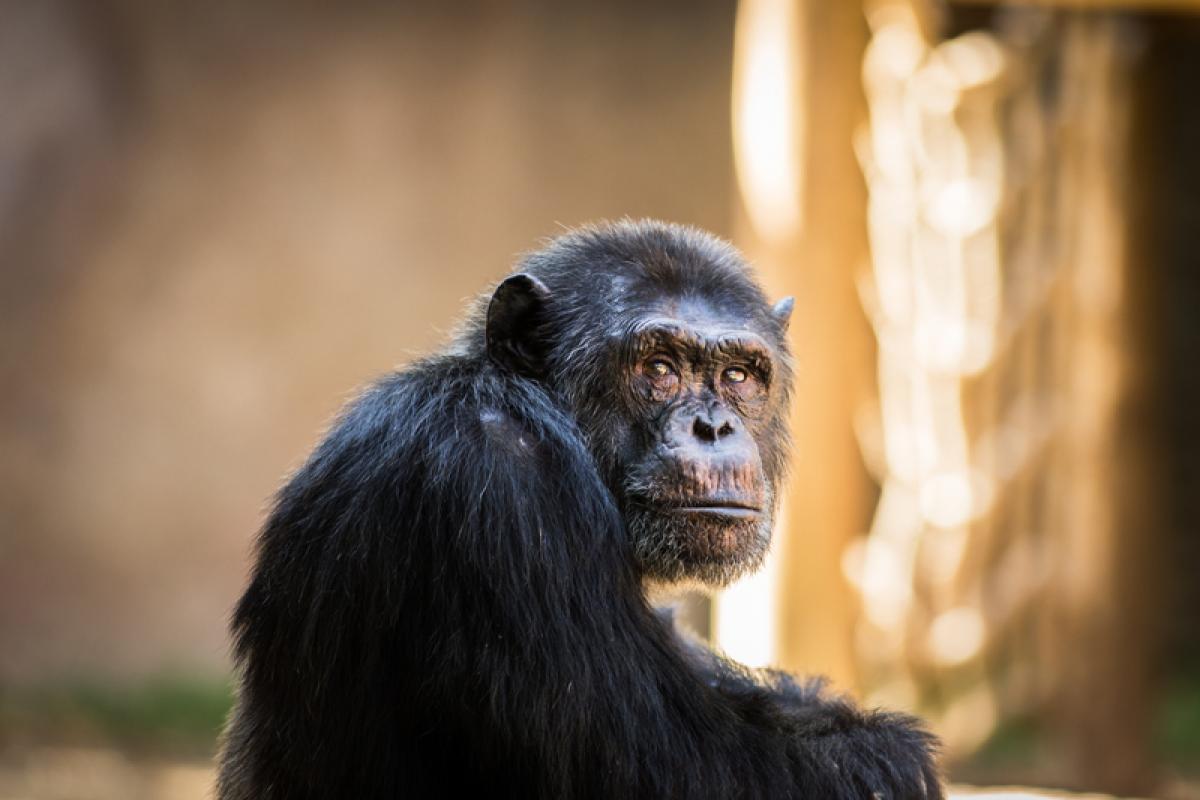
x: 659, y: 367
x: 735, y: 375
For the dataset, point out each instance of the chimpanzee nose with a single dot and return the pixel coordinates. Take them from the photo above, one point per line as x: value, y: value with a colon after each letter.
x: 714, y: 425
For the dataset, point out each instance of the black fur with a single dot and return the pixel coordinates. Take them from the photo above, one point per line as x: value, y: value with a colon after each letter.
x: 446, y: 598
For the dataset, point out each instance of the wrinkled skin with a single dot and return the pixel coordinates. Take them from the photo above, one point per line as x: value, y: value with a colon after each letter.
x: 701, y: 392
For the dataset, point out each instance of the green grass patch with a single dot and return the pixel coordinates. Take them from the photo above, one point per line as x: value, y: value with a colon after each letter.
x: 168, y: 714
x: 1177, y: 729
x: 1020, y: 740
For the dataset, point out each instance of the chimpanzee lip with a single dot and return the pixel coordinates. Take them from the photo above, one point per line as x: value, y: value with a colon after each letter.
x: 727, y: 508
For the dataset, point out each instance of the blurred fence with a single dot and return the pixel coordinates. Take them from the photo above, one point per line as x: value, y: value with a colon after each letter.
x: 1000, y: 577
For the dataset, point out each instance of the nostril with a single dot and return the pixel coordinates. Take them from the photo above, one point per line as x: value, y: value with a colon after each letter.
x: 703, y: 431
x: 725, y: 430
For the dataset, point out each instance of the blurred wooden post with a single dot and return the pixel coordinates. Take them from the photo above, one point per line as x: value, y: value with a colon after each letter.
x: 1111, y: 504
x: 812, y: 252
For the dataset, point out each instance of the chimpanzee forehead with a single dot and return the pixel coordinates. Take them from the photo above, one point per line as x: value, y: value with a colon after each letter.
x: 699, y: 314
x: 697, y: 325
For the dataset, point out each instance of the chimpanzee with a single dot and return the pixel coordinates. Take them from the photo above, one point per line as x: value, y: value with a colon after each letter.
x: 450, y: 596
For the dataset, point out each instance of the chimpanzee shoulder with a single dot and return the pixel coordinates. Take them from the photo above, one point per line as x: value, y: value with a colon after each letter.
x: 435, y: 537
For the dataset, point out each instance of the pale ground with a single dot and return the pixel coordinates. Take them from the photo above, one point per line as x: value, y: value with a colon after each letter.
x: 93, y: 774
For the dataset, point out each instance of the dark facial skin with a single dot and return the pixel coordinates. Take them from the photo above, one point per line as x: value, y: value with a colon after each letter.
x: 699, y: 390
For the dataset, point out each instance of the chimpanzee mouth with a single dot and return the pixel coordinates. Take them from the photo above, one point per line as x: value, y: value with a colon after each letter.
x: 729, y: 509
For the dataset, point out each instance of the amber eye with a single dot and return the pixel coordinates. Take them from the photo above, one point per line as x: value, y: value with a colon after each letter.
x: 659, y: 368
x: 736, y: 375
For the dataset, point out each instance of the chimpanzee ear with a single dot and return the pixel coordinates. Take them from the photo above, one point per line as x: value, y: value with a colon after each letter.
x: 514, y: 317
x: 781, y: 312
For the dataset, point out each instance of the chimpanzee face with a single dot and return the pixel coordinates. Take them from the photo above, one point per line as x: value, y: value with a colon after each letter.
x: 676, y: 371
x: 699, y: 395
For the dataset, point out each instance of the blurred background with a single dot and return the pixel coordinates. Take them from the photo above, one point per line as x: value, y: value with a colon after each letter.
x: 217, y: 220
